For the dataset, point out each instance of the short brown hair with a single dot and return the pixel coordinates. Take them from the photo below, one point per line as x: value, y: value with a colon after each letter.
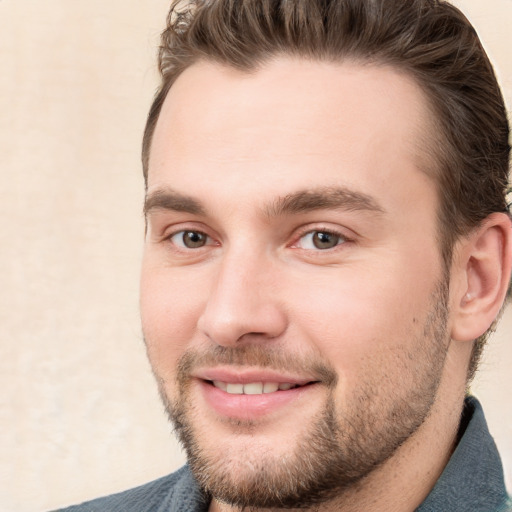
x: 430, y: 40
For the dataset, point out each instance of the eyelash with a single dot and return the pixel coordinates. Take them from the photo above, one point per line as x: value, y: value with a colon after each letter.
x: 341, y: 239
x: 182, y: 232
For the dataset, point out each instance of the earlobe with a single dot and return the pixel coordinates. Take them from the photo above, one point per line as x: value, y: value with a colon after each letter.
x: 484, y: 264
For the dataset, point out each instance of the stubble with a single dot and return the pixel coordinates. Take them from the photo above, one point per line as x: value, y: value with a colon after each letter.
x: 343, y: 444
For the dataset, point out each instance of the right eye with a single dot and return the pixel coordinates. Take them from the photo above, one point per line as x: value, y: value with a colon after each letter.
x: 190, y: 239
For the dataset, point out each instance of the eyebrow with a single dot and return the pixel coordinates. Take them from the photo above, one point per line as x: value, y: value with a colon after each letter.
x: 305, y: 201
x: 302, y: 201
x: 171, y: 200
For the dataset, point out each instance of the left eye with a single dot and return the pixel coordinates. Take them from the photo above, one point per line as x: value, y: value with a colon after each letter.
x: 190, y: 239
x: 320, y: 240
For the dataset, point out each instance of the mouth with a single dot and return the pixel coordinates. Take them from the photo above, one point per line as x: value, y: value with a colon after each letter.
x: 251, y: 395
x: 254, y: 388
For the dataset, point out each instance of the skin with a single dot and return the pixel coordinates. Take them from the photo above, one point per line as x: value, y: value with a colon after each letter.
x: 224, y: 156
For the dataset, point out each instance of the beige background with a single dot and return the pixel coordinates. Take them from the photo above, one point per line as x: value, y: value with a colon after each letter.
x: 79, y: 414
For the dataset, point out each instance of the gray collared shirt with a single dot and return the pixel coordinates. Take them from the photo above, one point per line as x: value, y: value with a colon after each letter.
x: 471, y: 482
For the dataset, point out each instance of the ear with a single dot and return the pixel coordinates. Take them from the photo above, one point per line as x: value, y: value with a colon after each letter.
x: 482, y: 268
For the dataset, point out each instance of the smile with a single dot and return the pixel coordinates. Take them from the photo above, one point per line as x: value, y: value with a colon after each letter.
x: 244, y: 393
x: 253, y: 388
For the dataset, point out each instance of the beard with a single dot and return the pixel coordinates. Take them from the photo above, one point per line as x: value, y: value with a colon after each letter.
x: 340, y: 445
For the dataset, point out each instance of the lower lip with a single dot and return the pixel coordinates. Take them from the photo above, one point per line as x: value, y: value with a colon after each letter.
x: 249, y: 407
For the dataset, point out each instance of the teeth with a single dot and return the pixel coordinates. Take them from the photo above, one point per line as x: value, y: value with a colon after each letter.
x: 270, y: 387
x: 235, y: 389
x: 253, y: 388
x: 220, y: 385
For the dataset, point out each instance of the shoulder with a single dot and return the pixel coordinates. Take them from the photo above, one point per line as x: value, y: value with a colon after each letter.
x: 177, y: 491
x: 473, y: 478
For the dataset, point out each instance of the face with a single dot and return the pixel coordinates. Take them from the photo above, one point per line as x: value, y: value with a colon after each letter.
x: 293, y: 297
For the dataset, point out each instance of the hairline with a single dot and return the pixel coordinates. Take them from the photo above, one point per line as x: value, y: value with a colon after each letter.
x: 427, y: 164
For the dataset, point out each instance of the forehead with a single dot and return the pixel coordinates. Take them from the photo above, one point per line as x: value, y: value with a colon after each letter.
x: 288, y: 121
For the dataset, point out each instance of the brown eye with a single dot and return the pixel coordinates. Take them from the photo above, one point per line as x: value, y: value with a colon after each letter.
x: 320, y: 240
x: 324, y: 240
x: 190, y: 239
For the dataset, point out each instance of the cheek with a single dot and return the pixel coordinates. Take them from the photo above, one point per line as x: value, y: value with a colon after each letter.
x: 351, y: 317
x: 170, y: 307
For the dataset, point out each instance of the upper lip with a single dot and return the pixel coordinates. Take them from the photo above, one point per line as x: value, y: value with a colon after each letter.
x: 249, y: 375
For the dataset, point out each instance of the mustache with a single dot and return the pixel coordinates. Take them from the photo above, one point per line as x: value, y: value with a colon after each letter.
x: 256, y: 355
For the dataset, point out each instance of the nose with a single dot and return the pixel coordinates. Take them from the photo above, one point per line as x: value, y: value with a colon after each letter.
x: 243, y: 304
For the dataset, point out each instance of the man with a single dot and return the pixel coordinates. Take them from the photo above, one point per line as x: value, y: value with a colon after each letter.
x: 327, y: 245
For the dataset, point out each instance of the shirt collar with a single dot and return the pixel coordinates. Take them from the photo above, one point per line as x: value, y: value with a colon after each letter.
x: 473, y: 478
